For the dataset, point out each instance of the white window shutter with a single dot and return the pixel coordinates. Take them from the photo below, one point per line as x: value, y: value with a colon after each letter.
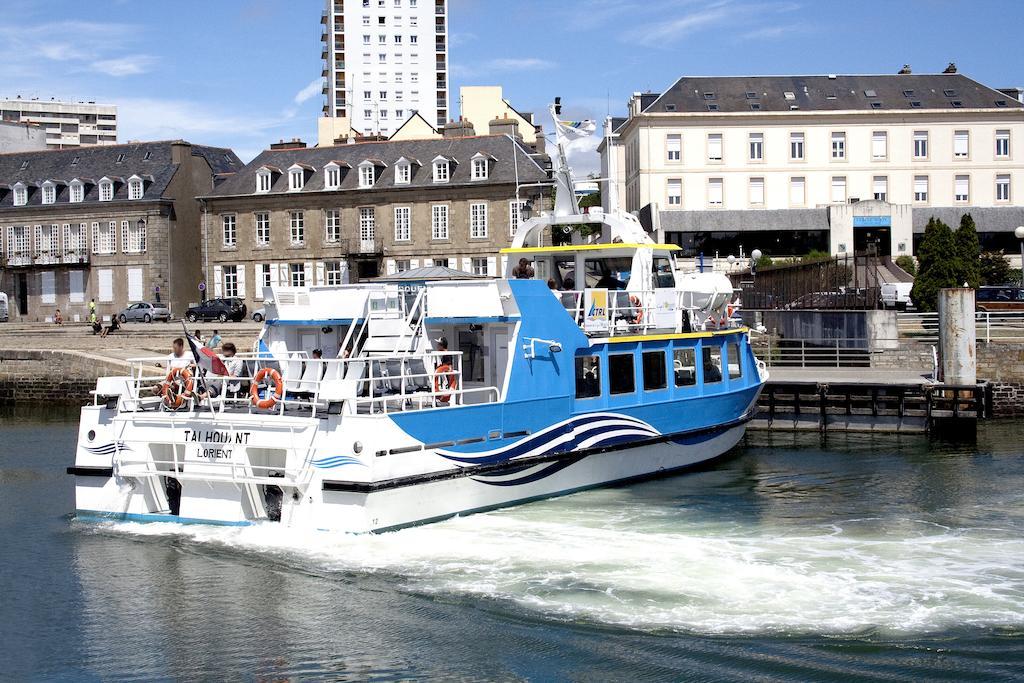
x: 48, y: 283
x: 308, y: 267
x: 218, y: 288
x: 390, y: 266
x: 428, y: 263
x: 106, y: 285
x: 135, y: 289
x: 491, y: 266
x: 258, y: 282
x: 414, y: 263
x: 467, y: 265
x: 320, y: 277
x: 76, y: 287
x: 282, y: 275
x: 344, y: 273
x: 241, y: 280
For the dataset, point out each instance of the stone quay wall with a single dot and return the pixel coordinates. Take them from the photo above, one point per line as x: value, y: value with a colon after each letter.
x: 52, y: 376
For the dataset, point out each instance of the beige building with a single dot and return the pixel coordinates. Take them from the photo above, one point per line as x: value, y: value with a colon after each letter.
x: 118, y: 224
x: 67, y: 124
x: 847, y: 164
x: 21, y: 137
x: 333, y: 215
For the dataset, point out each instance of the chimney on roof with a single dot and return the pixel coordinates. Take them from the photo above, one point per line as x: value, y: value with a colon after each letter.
x: 504, y: 126
x: 905, y: 70
x: 951, y: 69
x: 458, y: 129
x: 295, y: 143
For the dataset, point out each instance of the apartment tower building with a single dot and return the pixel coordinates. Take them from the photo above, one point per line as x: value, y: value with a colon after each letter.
x: 67, y: 124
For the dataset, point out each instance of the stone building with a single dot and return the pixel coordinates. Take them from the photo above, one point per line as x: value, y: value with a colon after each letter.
x: 117, y: 223
x: 840, y: 163
x: 332, y: 215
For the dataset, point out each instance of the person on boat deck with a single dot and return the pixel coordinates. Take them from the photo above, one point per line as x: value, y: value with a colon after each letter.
x: 312, y: 373
x: 568, y: 284
x: 554, y: 288
x: 441, y: 347
x: 214, y: 341
x: 176, y: 359
x: 523, y: 271
x: 609, y: 282
x: 235, y: 367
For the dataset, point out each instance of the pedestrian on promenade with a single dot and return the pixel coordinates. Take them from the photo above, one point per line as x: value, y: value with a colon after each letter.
x: 58, y: 319
x: 214, y: 341
x: 114, y: 326
x: 92, y: 310
x: 198, y: 334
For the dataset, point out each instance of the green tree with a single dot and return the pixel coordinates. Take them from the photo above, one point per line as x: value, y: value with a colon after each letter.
x: 907, y: 263
x: 968, y: 250
x: 938, y: 265
x: 994, y: 269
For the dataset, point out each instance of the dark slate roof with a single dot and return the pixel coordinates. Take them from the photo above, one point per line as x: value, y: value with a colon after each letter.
x: 91, y: 164
x: 742, y: 220
x: 986, y: 218
x: 390, y: 151
x: 827, y: 93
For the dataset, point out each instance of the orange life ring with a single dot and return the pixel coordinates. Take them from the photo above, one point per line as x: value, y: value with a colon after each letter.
x: 445, y: 379
x: 634, y: 301
x: 177, y: 378
x: 270, y: 399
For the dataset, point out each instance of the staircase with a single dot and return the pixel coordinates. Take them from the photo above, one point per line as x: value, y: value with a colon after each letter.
x: 389, y: 327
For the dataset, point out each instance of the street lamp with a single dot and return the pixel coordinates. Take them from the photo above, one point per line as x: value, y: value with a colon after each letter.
x: 754, y: 257
x: 526, y: 210
x: 1019, y: 232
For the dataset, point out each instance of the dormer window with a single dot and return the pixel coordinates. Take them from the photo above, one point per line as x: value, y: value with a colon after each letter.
x: 264, y: 180
x: 136, y: 188
x: 403, y: 173
x: 20, y: 194
x: 296, y: 178
x: 76, y: 192
x: 367, y: 174
x: 332, y: 176
x: 49, y: 193
x: 481, y: 166
x: 106, y: 190
x: 442, y: 170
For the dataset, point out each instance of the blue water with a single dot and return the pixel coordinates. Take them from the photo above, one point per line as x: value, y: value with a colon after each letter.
x: 855, y: 558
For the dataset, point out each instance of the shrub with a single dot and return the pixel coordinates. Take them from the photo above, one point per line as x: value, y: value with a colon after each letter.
x: 907, y: 263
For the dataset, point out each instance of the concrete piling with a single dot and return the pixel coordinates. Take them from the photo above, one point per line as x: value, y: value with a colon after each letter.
x: 958, y: 359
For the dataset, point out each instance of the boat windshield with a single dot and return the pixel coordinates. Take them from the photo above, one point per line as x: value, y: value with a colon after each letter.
x: 610, y: 272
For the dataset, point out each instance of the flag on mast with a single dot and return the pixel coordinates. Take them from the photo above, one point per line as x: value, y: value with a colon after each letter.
x: 574, y: 130
x: 206, y: 359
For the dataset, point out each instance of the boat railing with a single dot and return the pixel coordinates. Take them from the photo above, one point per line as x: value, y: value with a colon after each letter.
x: 368, y: 385
x: 633, y: 312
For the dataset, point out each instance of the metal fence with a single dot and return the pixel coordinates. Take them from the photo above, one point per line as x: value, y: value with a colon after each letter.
x: 990, y: 327
x: 839, y: 282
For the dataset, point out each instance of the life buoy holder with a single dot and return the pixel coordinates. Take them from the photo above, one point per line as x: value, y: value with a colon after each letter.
x: 270, y: 399
x: 634, y: 301
x: 445, y: 380
x: 177, y: 387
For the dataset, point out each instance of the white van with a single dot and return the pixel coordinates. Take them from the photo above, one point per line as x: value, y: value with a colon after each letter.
x: 3, y: 308
x: 896, y: 294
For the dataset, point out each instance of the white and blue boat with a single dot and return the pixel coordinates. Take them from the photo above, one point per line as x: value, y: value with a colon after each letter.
x: 597, y: 363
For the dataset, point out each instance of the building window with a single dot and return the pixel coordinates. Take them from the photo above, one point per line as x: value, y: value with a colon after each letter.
x: 230, y: 230
x: 266, y: 279
x: 920, y: 144
x: 332, y: 226
x: 262, y: 228
x: 298, y: 274
x: 715, y: 192
x: 796, y: 191
x: 106, y: 191
x: 756, y: 146
x: 880, y: 187
x: 879, y: 145
x: 684, y: 367
x: 75, y: 239
x: 49, y: 193
x: 298, y: 227
x: 962, y: 188
x: 620, y: 373
x: 838, y: 189
x: 439, y: 222
x: 712, y: 364
x: 296, y: 179
x: 403, y: 174
x: 588, y: 376
x: 77, y: 192
x: 757, y: 191
x: 714, y: 147
x: 20, y: 195
x: 441, y: 172
x: 961, y: 144
x: 675, y: 192
x: 480, y: 266
x: 332, y: 272
x: 103, y: 238
x: 135, y: 189
x: 1002, y: 144
x: 230, y: 276
x: 1003, y: 187
x: 332, y: 177
x: 479, y: 169
x: 367, y: 224
x: 515, y: 216
x: 674, y: 147
x: 366, y: 175
x: 655, y: 372
x: 403, y: 229
x: 838, y: 145
x: 263, y: 183
x: 478, y: 220
x: 796, y: 146
x: 920, y: 188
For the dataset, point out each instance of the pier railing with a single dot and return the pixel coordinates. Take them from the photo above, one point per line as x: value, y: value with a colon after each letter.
x: 990, y: 326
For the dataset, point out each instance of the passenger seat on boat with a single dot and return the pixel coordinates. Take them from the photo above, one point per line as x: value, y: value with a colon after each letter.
x: 419, y: 383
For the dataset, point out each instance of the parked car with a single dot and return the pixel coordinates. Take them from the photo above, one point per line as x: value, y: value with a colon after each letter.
x: 145, y: 312
x: 1000, y: 298
x: 3, y: 308
x: 232, y: 309
x: 259, y: 315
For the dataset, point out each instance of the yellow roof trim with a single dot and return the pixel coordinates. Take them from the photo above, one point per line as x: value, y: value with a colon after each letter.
x: 589, y: 247
x: 680, y: 335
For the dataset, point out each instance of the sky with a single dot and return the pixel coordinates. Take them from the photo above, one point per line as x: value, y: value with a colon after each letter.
x: 246, y: 73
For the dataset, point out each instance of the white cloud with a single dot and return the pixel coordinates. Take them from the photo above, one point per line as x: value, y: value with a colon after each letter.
x: 670, y: 29
x: 518, y: 64
x: 314, y: 88
x: 160, y: 119
x: 131, y: 65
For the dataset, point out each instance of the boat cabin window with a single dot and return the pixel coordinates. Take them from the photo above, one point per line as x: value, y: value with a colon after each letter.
x: 663, y: 277
x: 684, y: 366
x: 712, y: 364
x: 654, y: 370
x: 588, y: 376
x: 620, y: 373
x: 735, y: 361
x: 607, y: 273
